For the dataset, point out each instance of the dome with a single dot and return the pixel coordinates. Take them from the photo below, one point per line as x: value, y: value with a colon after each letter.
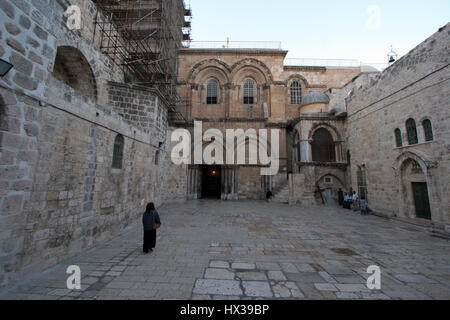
x: 315, y: 97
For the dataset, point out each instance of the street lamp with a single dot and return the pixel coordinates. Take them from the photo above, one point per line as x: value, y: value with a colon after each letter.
x: 4, y: 67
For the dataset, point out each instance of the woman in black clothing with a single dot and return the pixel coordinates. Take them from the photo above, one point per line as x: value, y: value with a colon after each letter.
x: 151, y: 222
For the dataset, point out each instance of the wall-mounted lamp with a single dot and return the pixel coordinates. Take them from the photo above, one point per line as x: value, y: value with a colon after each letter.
x: 4, y: 67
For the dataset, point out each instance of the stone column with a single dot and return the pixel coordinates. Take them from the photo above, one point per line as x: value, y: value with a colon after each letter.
x: 338, y: 151
x: 193, y: 183
x: 224, y: 183
x: 305, y: 151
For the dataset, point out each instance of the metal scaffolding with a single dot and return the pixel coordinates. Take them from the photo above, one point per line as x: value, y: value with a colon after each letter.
x: 143, y: 38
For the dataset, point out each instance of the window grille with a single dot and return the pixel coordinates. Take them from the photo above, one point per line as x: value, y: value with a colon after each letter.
x: 412, y: 132
x: 212, y: 92
x: 249, y: 92
x: 398, y: 138
x: 118, y: 152
x: 428, y: 130
x: 296, y: 93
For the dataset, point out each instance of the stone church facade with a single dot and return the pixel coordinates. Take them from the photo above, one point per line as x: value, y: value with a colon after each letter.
x: 384, y: 135
x: 253, y: 89
x: 82, y: 150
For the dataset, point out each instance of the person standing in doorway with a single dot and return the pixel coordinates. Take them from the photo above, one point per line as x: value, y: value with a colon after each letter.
x: 341, y: 197
x: 151, y: 222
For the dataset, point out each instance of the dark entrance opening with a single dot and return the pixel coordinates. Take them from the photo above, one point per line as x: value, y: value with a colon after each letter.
x: 323, y: 149
x: 422, y: 201
x: 211, y: 182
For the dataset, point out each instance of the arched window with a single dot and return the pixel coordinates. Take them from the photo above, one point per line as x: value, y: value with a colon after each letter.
x: 296, y: 93
x: 212, y: 92
x: 398, y: 138
x: 323, y: 149
x: 428, y: 130
x: 249, y: 92
x: 118, y: 152
x: 411, y: 129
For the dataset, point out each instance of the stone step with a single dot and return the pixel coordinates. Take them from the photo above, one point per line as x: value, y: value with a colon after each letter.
x: 282, y: 195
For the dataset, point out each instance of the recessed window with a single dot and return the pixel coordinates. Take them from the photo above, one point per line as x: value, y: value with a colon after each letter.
x: 412, y: 131
x: 118, y: 152
x: 249, y: 92
x: 323, y: 149
x: 212, y: 92
x: 428, y: 130
x: 157, y: 158
x: 296, y: 93
x: 398, y: 138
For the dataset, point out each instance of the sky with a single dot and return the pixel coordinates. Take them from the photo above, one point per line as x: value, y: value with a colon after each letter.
x: 323, y: 29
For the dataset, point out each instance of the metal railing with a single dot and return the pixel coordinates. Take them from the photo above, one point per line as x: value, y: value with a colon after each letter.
x: 274, y: 45
x: 345, y: 63
x: 322, y: 62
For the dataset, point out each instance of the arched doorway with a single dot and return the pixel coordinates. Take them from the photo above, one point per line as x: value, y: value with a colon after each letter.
x: 323, y: 148
x: 415, y: 190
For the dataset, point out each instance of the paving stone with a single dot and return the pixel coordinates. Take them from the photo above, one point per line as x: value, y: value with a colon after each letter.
x: 257, y: 289
x: 268, y: 266
x: 346, y: 295
x: 308, y: 277
x: 60, y: 292
x: 256, y: 276
x: 276, y: 275
x: 218, y: 287
x: 414, y: 278
x: 219, y: 274
x: 243, y: 266
x: 350, y: 279
x: 289, y: 268
x: 327, y: 277
x: 352, y: 287
x: 219, y: 264
x: 175, y: 270
x: 281, y: 291
x: 304, y: 267
x: 325, y: 287
x: 201, y: 297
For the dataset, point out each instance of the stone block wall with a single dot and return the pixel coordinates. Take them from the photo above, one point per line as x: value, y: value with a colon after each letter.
x: 28, y: 34
x: 59, y: 193
x: 140, y: 106
x: 416, y: 86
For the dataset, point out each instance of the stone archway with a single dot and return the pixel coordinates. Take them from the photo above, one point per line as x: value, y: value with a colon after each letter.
x: 415, y: 174
x: 73, y: 69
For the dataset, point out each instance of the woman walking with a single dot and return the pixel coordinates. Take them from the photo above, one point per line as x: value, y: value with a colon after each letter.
x: 151, y: 222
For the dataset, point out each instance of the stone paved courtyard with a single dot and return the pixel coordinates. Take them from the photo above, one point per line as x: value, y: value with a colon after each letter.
x: 256, y: 250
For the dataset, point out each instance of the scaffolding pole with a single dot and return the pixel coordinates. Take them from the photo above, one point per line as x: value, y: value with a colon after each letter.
x: 143, y: 37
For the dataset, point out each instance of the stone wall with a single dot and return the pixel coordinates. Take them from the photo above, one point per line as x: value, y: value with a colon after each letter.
x: 59, y: 194
x: 143, y: 107
x: 415, y: 87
